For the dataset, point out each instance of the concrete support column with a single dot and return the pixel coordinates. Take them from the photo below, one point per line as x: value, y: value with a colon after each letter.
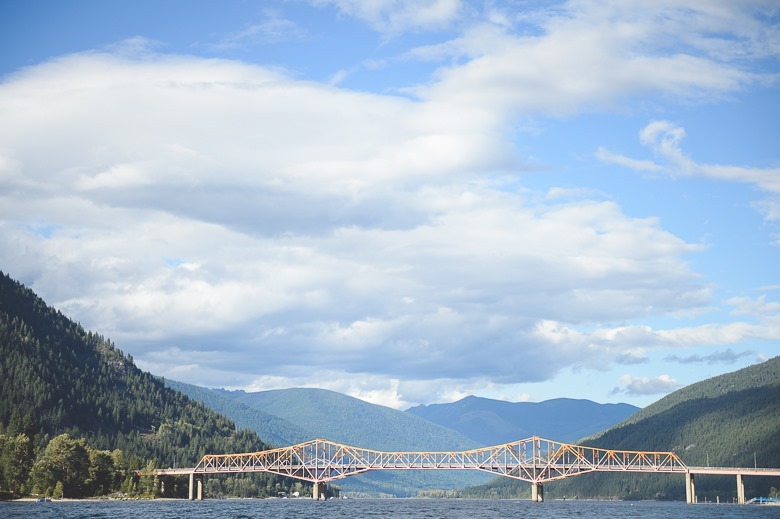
x: 740, y: 490
x: 690, y: 489
x: 320, y: 491
x: 196, y: 487
x: 537, y: 493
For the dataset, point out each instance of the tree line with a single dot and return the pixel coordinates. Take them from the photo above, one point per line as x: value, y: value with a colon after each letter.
x: 68, y: 467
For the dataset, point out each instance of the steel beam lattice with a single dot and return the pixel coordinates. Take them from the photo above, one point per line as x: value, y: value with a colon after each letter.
x: 536, y: 460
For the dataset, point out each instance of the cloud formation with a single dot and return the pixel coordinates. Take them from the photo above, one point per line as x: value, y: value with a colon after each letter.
x: 239, y: 226
x: 596, y: 57
x: 272, y: 28
x: 632, y: 385
x: 727, y: 356
x: 396, y: 16
x: 664, y: 138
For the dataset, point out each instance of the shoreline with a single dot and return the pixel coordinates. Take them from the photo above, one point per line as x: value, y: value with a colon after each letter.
x: 91, y: 499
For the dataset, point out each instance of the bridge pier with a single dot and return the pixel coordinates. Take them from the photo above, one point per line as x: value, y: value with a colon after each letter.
x: 537, y: 493
x: 690, y: 488
x: 740, y: 490
x: 320, y: 491
x: 196, y: 483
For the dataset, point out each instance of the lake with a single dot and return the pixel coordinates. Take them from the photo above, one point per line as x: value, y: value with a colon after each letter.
x: 396, y: 508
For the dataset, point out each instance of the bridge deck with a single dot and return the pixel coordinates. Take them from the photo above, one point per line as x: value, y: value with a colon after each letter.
x: 733, y: 471
x: 173, y: 472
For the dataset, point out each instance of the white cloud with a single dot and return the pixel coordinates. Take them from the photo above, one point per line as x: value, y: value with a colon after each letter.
x: 664, y: 138
x: 632, y: 385
x: 632, y: 344
x: 592, y: 56
x: 364, y: 231
x: 397, y: 16
x: 727, y: 356
x: 351, y: 228
x: 622, y: 160
x: 759, y: 306
x: 272, y: 28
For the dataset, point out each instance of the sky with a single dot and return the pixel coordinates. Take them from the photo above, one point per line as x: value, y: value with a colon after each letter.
x: 404, y: 201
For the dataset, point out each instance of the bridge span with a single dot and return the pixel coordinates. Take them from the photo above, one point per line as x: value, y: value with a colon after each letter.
x: 535, y: 460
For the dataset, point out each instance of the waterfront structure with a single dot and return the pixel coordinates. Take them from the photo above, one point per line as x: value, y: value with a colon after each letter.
x: 535, y: 460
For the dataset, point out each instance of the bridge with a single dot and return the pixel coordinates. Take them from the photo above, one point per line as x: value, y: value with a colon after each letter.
x: 535, y: 460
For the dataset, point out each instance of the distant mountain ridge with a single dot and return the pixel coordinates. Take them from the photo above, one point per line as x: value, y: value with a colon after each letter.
x: 492, y: 422
x: 345, y: 419
x: 272, y: 429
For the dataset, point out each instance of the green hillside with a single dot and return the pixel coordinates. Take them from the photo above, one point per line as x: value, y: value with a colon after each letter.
x: 344, y: 419
x: 726, y: 419
x: 732, y: 420
x: 56, y: 377
x: 274, y: 430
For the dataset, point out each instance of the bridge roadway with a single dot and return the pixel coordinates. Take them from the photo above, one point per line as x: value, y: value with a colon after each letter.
x: 536, y: 460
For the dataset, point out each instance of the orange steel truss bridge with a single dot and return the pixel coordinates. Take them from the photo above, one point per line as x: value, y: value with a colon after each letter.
x: 536, y: 460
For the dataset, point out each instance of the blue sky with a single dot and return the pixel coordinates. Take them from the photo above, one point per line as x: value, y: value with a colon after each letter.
x: 407, y: 202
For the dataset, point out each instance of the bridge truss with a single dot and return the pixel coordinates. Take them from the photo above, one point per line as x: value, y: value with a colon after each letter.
x: 536, y: 460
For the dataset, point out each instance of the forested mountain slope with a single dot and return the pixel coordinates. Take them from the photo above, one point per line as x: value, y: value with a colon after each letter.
x: 732, y: 420
x: 759, y: 377
x: 493, y: 422
x: 273, y: 429
x: 65, y: 379
x: 344, y: 419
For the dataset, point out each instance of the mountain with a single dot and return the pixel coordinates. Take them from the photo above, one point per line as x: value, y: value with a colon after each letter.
x: 344, y: 419
x: 273, y: 429
x: 307, y: 413
x: 732, y: 420
x: 56, y: 377
x: 493, y: 422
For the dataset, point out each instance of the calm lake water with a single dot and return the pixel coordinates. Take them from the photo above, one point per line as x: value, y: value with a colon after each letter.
x: 358, y: 508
